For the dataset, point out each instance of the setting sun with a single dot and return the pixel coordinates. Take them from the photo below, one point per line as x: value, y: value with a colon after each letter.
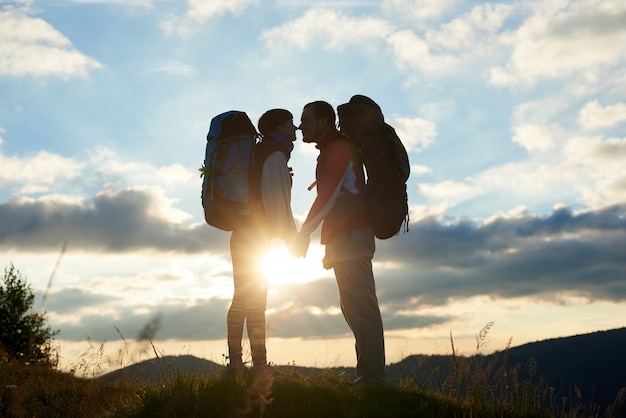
x: 283, y: 268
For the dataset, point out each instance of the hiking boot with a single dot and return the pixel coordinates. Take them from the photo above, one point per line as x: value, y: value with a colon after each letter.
x: 262, y: 379
x: 237, y: 370
x: 264, y: 370
x: 363, y: 381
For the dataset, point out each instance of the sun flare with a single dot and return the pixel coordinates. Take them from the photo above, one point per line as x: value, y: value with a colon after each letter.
x: 280, y: 267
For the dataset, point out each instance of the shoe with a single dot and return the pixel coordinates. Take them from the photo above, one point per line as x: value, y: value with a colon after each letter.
x: 263, y: 370
x: 358, y: 381
x: 237, y: 370
x: 363, y: 381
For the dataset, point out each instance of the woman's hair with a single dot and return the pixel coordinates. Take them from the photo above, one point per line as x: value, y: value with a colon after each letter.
x: 323, y: 110
x: 270, y: 120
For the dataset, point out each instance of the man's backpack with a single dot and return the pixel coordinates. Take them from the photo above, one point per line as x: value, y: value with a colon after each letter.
x: 386, y: 163
x: 226, y: 191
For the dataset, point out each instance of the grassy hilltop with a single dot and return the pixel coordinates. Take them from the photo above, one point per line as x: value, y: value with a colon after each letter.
x: 500, y: 385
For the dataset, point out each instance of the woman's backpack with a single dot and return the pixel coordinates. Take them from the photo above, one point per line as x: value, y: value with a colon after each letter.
x: 226, y: 192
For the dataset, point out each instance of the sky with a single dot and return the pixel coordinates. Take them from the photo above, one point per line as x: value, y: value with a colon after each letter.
x: 513, y: 114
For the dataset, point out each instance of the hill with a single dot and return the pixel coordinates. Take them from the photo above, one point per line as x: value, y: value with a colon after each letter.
x: 156, y: 369
x: 588, y: 368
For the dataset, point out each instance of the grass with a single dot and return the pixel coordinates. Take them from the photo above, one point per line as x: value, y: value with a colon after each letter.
x: 473, y: 388
x: 45, y: 392
x: 41, y: 391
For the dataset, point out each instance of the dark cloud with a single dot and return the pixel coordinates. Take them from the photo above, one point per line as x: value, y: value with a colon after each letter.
x: 299, y: 323
x: 71, y: 300
x: 534, y: 256
x: 395, y: 321
x: 526, y: 256
x: 204, y: 320
x: 113, y: 222
x: 320, y: 294
x: 598, y: 22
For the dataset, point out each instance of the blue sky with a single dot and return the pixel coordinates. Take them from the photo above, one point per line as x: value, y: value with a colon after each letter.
x: 513, y: 113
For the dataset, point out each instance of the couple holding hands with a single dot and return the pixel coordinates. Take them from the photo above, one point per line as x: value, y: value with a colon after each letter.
x: 348, y: 238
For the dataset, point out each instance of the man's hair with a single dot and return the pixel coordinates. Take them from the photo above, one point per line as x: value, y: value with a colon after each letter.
x: 270, y: 120
x: 323, y: 110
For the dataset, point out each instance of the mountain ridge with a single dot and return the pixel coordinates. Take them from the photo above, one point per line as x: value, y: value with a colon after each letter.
x: 590, y: 366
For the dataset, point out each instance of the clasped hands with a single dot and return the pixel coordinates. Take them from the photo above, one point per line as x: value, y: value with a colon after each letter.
x: 299, y: 245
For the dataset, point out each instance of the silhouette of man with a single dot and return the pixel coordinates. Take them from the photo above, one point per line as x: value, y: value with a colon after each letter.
x: 346, y: 234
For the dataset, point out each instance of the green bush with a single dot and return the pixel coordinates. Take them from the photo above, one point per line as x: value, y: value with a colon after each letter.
x: 24, y: 335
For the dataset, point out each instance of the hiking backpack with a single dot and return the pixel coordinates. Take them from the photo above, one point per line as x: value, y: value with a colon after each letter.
x: 386, y: 164
x: 226, y: 192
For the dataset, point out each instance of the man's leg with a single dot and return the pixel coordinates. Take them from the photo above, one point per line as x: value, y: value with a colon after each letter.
x: 351, y: 256
x: 360, y: 308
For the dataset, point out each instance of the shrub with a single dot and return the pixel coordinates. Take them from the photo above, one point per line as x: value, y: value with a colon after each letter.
x: 24, y: 335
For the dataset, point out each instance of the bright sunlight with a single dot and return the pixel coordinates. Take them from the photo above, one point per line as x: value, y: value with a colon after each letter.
x: 283, y: 268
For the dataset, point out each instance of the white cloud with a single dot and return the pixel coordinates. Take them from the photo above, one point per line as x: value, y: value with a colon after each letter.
x: 564, y: 38
x: 38, y: 173
x: 585, y: 170
x: 21, y: 3
x: 419, y: 169
x: 416, y: 133
x: 498, y: 76
x: 593, y: 115
x: 540, y: 111
x: 171, y: 67
x: 536, y: 182
x: 534, y: 137
x: 449, y: 191
x: 202, y: 10
x: 31, y: 46
x: 147, y: 4
x: 601, y: 160
x: 434, y: 52
x: 174, y: 176
x: 517, y: 212
x: 437, y: 211
x: 414, y: 52
x: 162, y: 207
x: 444, y: 48
x: 612, y: 149
x: 45, y: 172
x: 417, y: 9
x: 465, y: 33
x: 330, y: 26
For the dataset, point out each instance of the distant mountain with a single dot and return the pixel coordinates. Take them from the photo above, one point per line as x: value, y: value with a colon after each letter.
x: 592, y: 366
x: 157, y: 369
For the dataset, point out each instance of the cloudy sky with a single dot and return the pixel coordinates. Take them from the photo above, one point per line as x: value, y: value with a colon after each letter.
x: 513, y: 113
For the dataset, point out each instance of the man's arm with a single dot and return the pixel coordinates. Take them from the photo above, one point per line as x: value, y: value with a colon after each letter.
x: 337, y: 162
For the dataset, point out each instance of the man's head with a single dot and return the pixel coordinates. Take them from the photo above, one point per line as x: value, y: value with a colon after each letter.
x: 277, y: 120
x: 317, y: 119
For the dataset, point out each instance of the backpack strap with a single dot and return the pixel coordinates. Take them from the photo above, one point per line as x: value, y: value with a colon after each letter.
x: 353, y: 147
x: 347, y: 205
